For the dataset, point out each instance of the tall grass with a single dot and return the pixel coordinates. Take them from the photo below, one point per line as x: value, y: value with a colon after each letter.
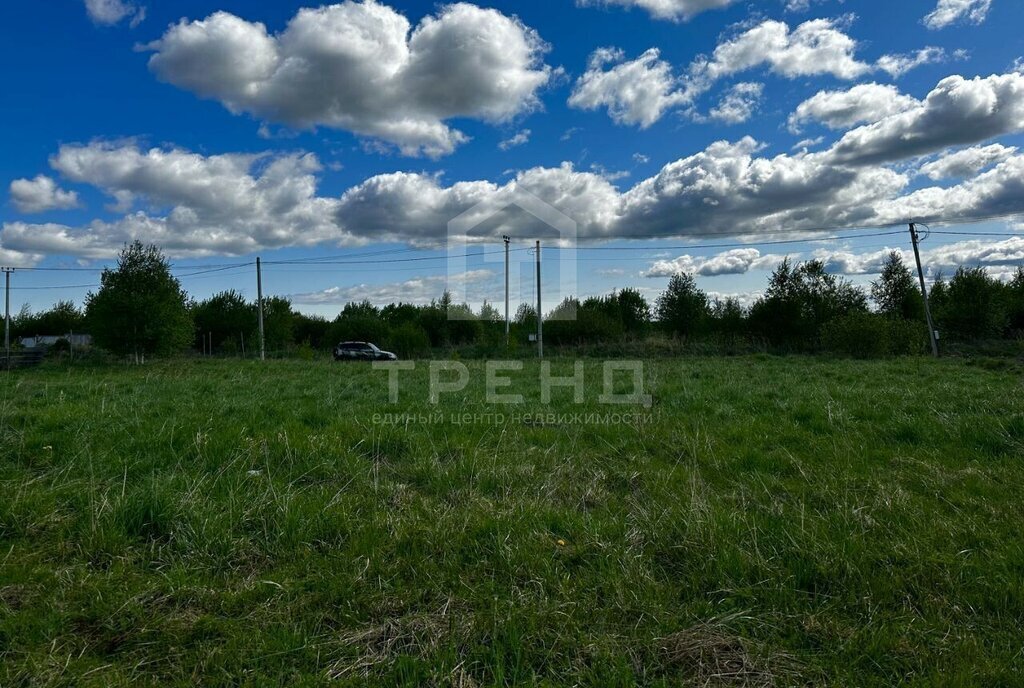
x: 769, y: 521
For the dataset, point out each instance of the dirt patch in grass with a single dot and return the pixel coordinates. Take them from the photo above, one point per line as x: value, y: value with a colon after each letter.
x: 372, y: 649
x: 711, y: 654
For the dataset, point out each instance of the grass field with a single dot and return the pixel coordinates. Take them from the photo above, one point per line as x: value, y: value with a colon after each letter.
x: 769, y: 521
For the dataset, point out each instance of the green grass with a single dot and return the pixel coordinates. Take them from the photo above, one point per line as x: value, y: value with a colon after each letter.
x: 772, y: 522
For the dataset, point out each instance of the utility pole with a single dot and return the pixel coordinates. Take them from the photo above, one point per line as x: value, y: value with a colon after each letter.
x: 540, y: 316
x: 259, y: 299
x: 507, y: 239
x: 7, y: 313
x: 924, y: 292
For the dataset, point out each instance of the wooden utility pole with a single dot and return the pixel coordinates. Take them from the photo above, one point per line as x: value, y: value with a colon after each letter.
x: 259, y: 300
x: 924, y: 292
x: 507, y: 239
x: 540, y: 317
x: 7, y: 313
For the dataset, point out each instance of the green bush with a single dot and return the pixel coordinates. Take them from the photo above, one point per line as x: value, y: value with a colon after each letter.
x: 872, y: 335
x: 907, y: 337
x: 305, y: 352
x: 409, y: 341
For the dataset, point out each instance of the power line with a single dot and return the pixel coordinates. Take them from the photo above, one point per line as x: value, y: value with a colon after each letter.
x: 57, y: 286
x: 391, y: 260
x: 101, y: 268
x: 778, y: 242
x: 346, y: 259
x: 991, y: 234
x: 94, y: 285
x: 298, y: 264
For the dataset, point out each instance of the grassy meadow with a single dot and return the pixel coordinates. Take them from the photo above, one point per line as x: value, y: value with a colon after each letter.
x: 768, y: 521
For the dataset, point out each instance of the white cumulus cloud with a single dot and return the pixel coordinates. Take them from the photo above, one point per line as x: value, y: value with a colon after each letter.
x: 229, y: 204
x: 735, y: 262
x: 362, y: 67
x: 846, y: 108
x: 636, y: 91
x: 957, y: 111
x: 949, y: 12
x: 418, y: 290
x: 673, y: 10
x: 642, y: 90
x: 818, y: 46
x: 518, y: 139
x: 110, y: 12
x: 897, y: 65
x: 964, y: 163
x: 41, y: 194
x: 995, y: 255
x: 739, y: 103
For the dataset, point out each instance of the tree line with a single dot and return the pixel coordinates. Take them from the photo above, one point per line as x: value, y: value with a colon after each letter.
x: 140, y: 309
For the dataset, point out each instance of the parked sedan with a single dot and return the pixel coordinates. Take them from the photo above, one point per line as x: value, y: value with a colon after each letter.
x: 361, y: 351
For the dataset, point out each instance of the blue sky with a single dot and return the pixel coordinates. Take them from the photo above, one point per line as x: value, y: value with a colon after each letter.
x: 344, y: 139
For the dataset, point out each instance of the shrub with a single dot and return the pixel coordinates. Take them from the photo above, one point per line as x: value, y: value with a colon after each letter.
x: 860, y: 335
x: 908, y: 337
x: 409, y: 341
x: 971, y: 306
x: 305, y: 351
x: 872, y: 335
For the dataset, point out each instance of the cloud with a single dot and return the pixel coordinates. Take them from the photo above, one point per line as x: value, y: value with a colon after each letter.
x: 818, y: 46
x: 898, y: 65
x: 802, y: 5
x: 636, y: 92
x: 998, y: 191
x: 846, y: 262
x: 735, y: 262
x: 640, y: 91
x: 672, y: 10
x: 356, y: 66
x: 808, y: 143
x: 949, y: 12
x: 416, y: 207
x: 518, y: 139
x: 993, y: 254
x: 967, y: 162
x: 230, y: 204
x: 110, y: 12
x: 19, y: 259
x: 746, y: 299
x: 569, y: 133
x: 610, y: 175
x: 843, y: 109
x: 739, y: 103
x: 192, y: 205
x: 41, y: 194
x: 978, y: 252
x: 418, y: 290
x: 958, y: 111
x: 814, y: 47
x: 727, y: 188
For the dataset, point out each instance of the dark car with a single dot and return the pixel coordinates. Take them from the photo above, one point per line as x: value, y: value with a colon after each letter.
x: 361, y: 351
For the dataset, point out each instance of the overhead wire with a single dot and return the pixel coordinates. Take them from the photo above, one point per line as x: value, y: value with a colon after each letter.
x: 375, y: 257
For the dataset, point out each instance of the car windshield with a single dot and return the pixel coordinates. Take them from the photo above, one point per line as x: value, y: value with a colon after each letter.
x: 372, y: 347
